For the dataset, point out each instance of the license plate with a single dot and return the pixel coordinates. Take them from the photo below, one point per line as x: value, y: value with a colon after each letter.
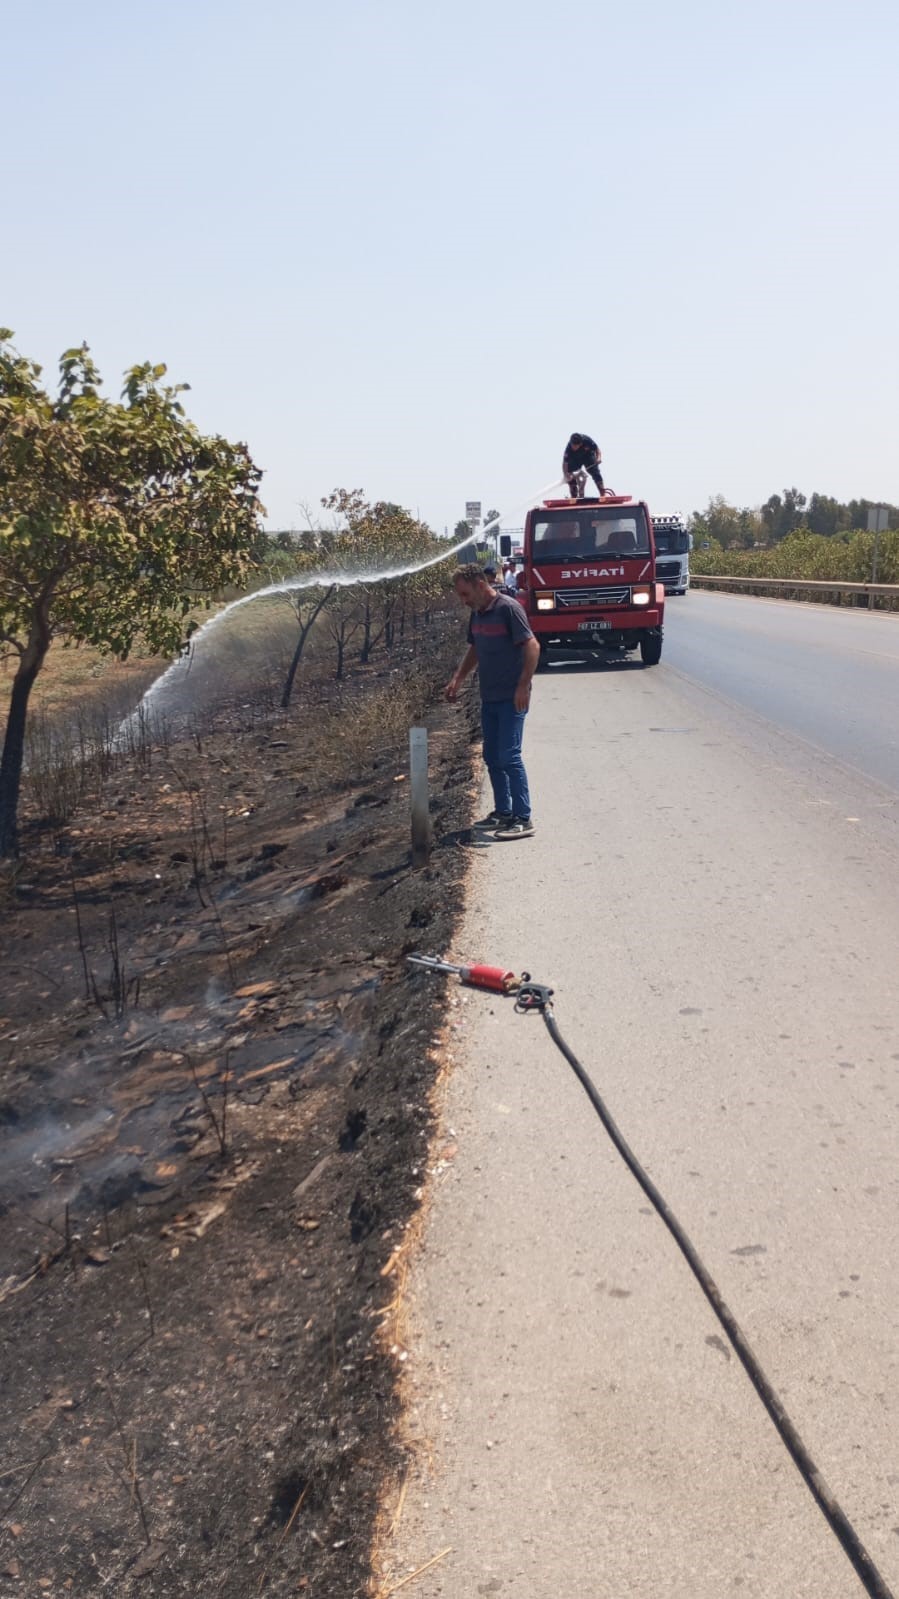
x: 593, y: 627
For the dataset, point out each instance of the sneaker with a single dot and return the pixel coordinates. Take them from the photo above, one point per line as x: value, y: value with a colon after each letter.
x: 514, y: 827
x: 495, y: 819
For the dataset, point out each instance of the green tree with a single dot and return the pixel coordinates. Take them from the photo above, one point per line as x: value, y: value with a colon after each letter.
x: 855, y: 514
x: 115, y: 517
x: 725, y: 524
x: 783, y: 516
x: 824, y: 515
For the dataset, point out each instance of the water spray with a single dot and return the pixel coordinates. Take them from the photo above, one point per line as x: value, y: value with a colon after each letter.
x: 178, y: 670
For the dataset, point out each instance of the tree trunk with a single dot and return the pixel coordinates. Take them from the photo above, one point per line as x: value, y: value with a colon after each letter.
x: 341, y: 647
x: 305, y: 630
x: 365, y: 651
x: 31, y: 661
x: 292, y: 671
x: 388, y: 628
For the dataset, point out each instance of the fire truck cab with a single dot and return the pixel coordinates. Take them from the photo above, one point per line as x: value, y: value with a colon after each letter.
x: 588, y: 578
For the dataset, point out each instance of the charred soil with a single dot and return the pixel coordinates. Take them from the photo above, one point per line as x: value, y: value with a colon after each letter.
x: 215, y: 1109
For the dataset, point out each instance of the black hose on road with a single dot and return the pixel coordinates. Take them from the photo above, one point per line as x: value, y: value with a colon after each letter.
x: 533, y: 997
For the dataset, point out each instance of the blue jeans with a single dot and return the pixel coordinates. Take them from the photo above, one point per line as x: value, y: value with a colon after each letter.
x: 503, y: 728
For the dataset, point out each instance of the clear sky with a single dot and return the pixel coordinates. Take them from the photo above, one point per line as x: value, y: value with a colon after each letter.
x: 409, y: 247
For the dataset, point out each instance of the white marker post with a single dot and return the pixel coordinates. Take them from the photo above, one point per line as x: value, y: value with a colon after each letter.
x: 418, y: 783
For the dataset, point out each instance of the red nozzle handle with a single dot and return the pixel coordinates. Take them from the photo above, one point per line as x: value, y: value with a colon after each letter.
x: 491, y: 977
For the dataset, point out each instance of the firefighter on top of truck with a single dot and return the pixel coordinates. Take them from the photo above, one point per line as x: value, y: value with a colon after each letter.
x: 581, y: 454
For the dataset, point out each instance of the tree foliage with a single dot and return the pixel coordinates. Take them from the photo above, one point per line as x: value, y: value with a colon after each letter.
x: 726, y: 525
x: 115, y: 517
x: 781, y: 516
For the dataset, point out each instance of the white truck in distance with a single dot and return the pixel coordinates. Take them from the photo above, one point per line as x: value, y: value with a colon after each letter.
x: 673, y: 546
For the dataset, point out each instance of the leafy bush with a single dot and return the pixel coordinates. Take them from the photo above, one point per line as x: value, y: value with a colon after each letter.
x: 808, y: 556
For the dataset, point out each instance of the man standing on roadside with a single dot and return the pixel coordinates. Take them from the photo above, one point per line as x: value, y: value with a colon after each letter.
x: 505, y: 653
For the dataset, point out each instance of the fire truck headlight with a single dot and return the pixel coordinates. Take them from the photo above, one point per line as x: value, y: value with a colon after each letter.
x: 641, y: 596
x: 547, y: 602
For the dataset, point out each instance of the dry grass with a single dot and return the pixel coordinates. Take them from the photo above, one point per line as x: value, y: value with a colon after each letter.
x: 74, y: 737
x: 10, y: 872
x: 396, y: 1331
x: 74, y: 673
x: 373, y: 716
x: 81, y: 726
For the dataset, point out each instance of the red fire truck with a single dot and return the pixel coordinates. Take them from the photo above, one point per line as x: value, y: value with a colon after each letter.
x: 587, y: 578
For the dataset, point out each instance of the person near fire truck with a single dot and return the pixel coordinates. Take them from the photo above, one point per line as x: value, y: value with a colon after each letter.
x: 504, y: 652
x: 582, y: 454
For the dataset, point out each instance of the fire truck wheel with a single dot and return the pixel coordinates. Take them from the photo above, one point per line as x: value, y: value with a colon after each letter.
x: 651, y: 648
x: 543, y: 663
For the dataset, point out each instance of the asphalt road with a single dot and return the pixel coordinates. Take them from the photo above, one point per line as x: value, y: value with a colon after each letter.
x: 830, y: 676
x: 712, y: 892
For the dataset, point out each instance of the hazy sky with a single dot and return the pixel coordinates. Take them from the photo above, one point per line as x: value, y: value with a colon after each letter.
x: 409, y: 247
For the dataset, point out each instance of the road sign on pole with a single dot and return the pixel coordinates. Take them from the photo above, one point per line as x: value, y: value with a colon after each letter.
x: 878, y: 522
x: 473, y: 512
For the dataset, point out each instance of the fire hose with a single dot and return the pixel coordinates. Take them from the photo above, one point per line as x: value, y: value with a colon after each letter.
x: 533, y: 998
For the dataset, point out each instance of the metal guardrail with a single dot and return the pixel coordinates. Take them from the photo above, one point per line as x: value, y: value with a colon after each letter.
x: 861, y: 593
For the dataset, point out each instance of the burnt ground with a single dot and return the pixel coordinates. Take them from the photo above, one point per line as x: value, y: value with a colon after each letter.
x: 215, y: 1107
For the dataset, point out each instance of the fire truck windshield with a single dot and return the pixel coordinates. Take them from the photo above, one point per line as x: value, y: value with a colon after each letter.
x: 589, y: 534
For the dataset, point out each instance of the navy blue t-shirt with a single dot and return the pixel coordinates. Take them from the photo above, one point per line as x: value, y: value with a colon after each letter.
x: 583, y: 454
x: 498, y: 634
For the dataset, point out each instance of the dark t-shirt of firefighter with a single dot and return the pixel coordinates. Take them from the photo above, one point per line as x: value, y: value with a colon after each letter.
x: 578, y: 455
x: 498, y: 634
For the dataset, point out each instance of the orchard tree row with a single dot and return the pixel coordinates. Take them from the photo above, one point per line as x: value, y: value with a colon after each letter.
x: 353, y: 606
